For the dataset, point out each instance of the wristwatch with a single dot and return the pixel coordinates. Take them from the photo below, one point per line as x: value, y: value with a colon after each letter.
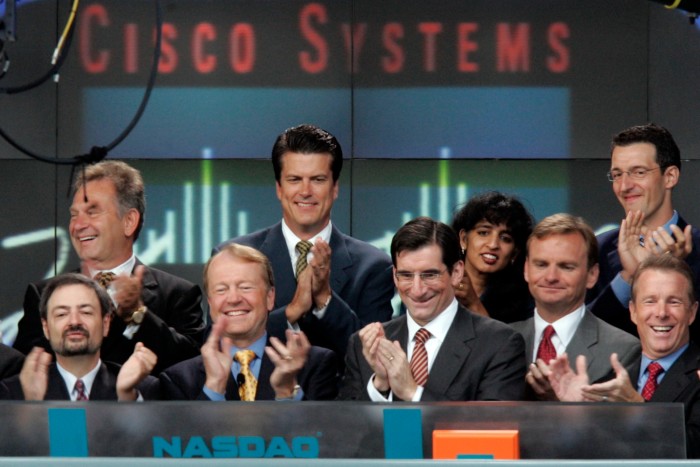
x: 137, y: 315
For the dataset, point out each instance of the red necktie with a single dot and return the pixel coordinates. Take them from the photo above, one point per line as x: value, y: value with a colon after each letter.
x: 80, y: 388
x: 654, y: 370
x: 419, y: 360
x: 546, y: 350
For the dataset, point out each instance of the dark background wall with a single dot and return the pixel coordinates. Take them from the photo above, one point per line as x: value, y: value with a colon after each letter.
x: 431, y: 101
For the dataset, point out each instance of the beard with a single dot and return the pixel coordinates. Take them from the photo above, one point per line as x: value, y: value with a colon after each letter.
x: 68, y: 348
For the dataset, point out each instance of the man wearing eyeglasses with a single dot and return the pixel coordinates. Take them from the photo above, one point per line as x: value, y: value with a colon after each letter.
x: 438, y: 351
x: 645, y: 167
x: 561, y: 264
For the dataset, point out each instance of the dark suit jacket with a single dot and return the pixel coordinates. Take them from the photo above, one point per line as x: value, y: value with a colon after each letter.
x: 480, y: 359
x: 680, y: 384
x: 173, y: 327
x: 595, y: 339
x: 601, y: 298
x: 11, y: 361
x: 318, y: 379
x: 103, y: 388
x: 361, y: 280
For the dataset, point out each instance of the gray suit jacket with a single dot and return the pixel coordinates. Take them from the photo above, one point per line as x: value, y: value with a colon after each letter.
x: 480, y: 359
x: 595, y: 339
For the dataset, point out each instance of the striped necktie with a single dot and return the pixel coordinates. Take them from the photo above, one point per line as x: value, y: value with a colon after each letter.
x: 419, y: 359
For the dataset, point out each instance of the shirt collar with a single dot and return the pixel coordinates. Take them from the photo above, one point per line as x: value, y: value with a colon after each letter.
x: 291, y: 239
x: 258, y: 347
x: 123, y: 269
x: 438, y: 327
x: 672, y: 221
x: 565, y: 327
x: 70, y: 379
x: 666, y: 362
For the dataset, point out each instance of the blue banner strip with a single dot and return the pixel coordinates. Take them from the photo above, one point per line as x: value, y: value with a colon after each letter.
x: 403, y: 434
x: 67, y: 433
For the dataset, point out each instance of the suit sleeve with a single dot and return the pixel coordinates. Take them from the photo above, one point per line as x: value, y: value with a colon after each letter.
x: 353, y: 384
x: 322, y: 380
x: 175, y: 386
x: 340, y: 321
x: 30, y: 333
x: 174, y: 334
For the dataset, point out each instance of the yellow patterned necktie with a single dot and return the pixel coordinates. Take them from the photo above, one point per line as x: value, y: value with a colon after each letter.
x: 104, y: 278
x: 246, y: 388
x: 302, y: 248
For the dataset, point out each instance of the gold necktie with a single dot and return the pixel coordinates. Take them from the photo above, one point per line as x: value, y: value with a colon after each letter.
x: 247, y: 387
x: 104, y: 278
x: 302, y: 248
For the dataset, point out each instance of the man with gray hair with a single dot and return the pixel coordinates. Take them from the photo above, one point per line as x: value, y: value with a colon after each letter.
x: 161, y: 310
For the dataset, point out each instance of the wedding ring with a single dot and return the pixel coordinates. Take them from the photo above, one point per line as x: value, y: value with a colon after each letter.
x: 287, y: 357
x: 605, y: 398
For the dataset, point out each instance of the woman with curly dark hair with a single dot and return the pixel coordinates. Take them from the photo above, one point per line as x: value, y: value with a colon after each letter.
x: 493, y: 229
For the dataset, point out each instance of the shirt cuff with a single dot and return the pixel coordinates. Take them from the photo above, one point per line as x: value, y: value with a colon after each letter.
x: 213, y: 395
x: 131, y: 330
x: 622, y: 290
x: 299, y: 396
x: 375, y: 395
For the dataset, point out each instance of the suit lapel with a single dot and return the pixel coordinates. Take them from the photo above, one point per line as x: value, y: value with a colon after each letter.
x: 340, y: 260
x: 56, y: 390
x: 681, y: 374
x: 105, y: 385
x: 453, y: 353
x: 275, y: 248
x: 585, y: 337
x: 149, y: 290
x: 264, y: 391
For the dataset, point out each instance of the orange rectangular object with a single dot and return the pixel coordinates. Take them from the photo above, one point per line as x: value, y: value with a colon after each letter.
x: 476, y: 444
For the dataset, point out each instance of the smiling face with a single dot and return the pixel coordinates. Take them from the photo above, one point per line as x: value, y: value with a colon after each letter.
x: 238, y: 292
x: 102, y: 238
x: 651, y: 194
x: 426, y: 300
x: 662, y: 311
x: 557, y: 273
x: 306, y: 191
x: 489, y: 248
x: 74, y: 324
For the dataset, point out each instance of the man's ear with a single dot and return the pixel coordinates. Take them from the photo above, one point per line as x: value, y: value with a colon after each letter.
x: 131, y: 222
x: 45, y: 327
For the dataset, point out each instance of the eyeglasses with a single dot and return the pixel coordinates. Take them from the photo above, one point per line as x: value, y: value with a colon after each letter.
x: 638, y: 173
x: 429, y: 277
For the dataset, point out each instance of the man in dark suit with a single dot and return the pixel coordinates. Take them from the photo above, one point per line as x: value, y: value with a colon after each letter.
x: 161, y: 310
x: 240, y: 290
x: 75, y: 315
x: 437, y: 351
x: 348, y: 282
x: 645, y: 168
x: 561, y: 264
x: 663, y: 307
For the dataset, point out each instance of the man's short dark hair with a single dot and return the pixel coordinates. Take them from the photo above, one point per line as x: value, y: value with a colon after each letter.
x: 72, y: 278
x: 667, y: 152
x: 668, y: 263
x: 424, y: 231
x: 128, y: 184
x: 307, y: 139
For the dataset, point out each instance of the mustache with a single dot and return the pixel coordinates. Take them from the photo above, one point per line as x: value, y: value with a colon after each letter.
x: 76, y: 328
